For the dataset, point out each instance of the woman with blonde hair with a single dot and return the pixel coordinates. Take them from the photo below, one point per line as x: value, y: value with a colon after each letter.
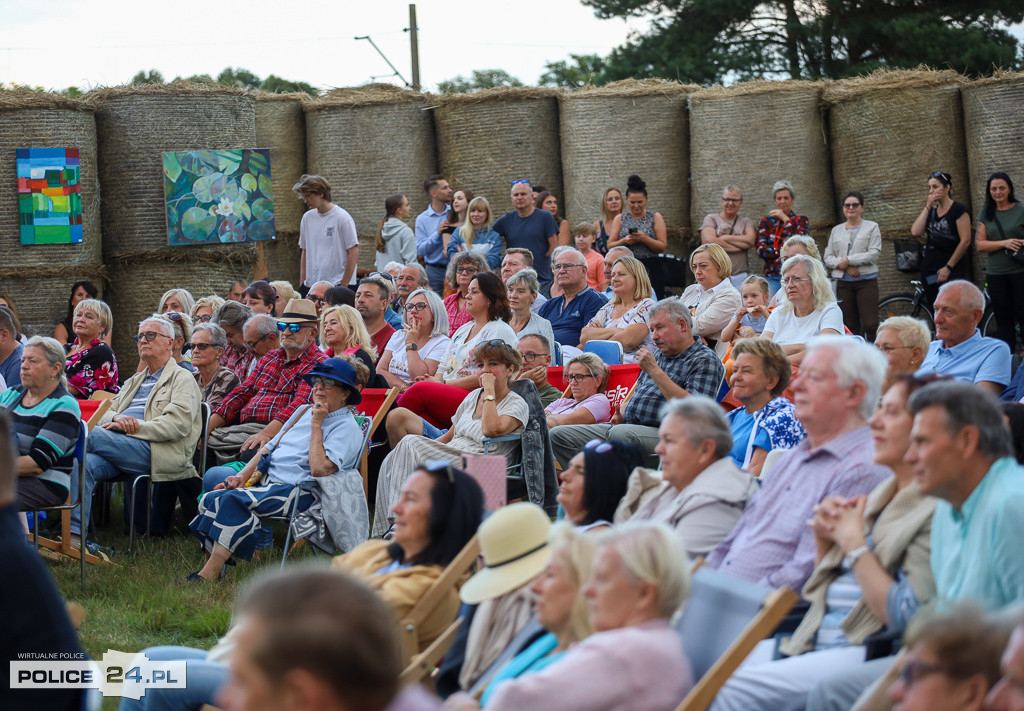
x: 395, y: 240
x: 343, y: 332
x: 809, y: 308
x: 91, y: 364
x: 611, y: 207
x: 178, y: 300
x: 206, y: 307
x: 904, y: 341
x: 625, y: 317
x: 713, y: 299
x: 285, y: 293
x: 476, y: 234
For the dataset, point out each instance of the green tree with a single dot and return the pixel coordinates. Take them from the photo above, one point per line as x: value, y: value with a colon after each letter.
x: 580, y: 70
x: 277, y: 85
x: 241, y: 78
x: 709, y: 40
x: 198, y: 79
x: 150, y: 77
x: 479, y: 79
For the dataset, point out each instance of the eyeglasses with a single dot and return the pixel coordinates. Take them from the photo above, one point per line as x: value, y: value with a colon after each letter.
x: 325, y: 383
x: 561, y: 267
x: 890, y: 349
x: 418, y: 306
x: 533, y: 356
x: 599, y: 446
x: 521, y: 180
x: 203, y: 319
x: 316, y: 299
x: 382, y: 275
x: 252, y: 346
x: 293, y: 327
x: 913, y: 671
x: 201, y: 347
x: 795, y: 281
x: 579, y: 378
x: 440, y: 466
x: 850, y: 205
x: 466, y: 270
x: 150, y: 336
x: 736, y: 200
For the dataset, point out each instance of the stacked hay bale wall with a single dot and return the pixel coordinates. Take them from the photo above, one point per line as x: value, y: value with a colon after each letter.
x: 135, y: 125
x: 39, y: 277
x: 487, y: 139
x: 370, y: 143
x: 888, y: 132
x: 281, y: 127
x: 752, y: 135
x: 994, y: 129
x: 632, y: 126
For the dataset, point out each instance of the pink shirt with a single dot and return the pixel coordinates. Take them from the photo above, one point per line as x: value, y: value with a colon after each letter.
x: 597, y: 403
x: 595, y: 270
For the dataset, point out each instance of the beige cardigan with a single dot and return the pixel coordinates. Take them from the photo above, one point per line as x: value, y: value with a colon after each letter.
x: 900, y: 525
x: 172, y: 425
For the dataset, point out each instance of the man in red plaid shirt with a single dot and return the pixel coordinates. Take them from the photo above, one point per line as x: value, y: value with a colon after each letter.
x: 251, y: 414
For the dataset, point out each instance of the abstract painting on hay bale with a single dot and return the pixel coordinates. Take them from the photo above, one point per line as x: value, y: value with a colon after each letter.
x: 49, y: 197
x: 216, y: 197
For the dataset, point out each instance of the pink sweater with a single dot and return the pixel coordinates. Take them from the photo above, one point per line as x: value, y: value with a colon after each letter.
x: 640, y: 668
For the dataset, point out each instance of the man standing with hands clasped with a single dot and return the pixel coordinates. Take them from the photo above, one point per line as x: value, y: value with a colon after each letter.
x: 327, y: 236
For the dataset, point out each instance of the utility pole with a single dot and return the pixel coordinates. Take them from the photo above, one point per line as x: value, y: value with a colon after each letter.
x: 414, y: 47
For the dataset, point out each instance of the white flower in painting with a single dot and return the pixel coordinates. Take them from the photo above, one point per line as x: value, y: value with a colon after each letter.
x: 226, y: 207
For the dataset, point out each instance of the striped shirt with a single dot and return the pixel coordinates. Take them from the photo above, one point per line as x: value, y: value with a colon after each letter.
x: 46, y: 432
x: 137, y: 408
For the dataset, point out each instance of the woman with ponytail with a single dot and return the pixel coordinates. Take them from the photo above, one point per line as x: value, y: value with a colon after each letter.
x: 395, y: 239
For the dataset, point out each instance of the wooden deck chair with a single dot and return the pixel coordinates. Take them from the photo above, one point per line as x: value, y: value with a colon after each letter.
x: 722, y: 622
x: 375, y: 404
x: 420, y: 664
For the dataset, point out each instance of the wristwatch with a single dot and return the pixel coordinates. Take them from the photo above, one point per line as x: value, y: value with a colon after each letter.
x: 411, y: 347
x: 489, y: 398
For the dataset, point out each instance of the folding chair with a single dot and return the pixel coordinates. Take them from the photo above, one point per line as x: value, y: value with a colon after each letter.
x: 609, y: 351
x: 204, y: 432
x: 420, y: 664
x: 722, y: 622
x: 375, y: 405
x: 556, y: 376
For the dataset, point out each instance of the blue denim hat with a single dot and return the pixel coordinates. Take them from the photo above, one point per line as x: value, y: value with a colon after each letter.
x: 340, y: 371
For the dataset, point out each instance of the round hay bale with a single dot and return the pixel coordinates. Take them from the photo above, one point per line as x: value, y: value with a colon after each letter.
x: 40, y: 276
x: 369, y: 143
x: 752, y: 135
x: 631, y: 126
x: 281, y: 257
x: 994, y: 126
x: 135, y: 126
x: 281, y: 127
x: 137, y: 285
x: 489, y: 138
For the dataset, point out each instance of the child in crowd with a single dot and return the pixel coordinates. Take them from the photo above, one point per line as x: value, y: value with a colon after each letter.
x: 750, y: 318
x: 585, y: 236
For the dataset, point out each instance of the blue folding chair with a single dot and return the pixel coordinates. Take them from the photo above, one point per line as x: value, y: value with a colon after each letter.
x: 609, y: 351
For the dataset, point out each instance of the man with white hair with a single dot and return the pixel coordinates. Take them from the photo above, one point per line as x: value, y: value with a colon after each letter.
x: 578, y: 303
x: 836, y: 392
x: 959, y: 348
x: 410, y: 278
x: 152, y: 425
x: 318, y: 295
x: 516, y: 260
x: 260, y: 336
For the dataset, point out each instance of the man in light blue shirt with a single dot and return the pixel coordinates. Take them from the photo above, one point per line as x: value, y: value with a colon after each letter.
x: 959, y: 349
x: 428, y: 242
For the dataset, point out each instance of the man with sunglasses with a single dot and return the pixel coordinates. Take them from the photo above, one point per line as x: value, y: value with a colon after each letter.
x: 529, y: 228
x: 373, y: 299
x: 255, y: 411
x: 318, y: 295
x: 151, y: 427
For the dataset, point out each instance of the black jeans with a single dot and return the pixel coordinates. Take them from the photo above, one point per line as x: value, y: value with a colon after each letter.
x: 1007, y: 294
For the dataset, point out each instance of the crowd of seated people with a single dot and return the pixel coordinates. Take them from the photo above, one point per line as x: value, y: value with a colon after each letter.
x: 873, y: 479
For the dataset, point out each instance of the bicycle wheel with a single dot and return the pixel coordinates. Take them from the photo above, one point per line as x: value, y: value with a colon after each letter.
x: 903, y: 305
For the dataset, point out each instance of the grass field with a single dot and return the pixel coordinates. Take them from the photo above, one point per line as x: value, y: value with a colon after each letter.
x: 141, y: 602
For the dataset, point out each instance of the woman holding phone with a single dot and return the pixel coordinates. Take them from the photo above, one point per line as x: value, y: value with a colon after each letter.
x: 642, y: 231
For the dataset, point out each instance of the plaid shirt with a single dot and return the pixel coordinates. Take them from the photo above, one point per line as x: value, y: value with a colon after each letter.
x: 772, y: 543
x: 237, y: 362
x: 697, y: 370
x: 274, y: 390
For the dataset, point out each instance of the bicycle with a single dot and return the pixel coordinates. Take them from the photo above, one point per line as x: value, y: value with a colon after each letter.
x: 914, y: 305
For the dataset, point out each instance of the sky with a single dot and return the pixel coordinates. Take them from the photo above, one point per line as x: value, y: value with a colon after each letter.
x: 90, y: 43
x: 93, y: 43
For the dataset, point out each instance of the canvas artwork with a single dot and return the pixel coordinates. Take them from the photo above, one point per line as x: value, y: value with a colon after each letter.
x: 216, y: 197
x: 49, y: 195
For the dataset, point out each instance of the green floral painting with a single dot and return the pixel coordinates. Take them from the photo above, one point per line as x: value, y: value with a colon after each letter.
x: 216, y: 197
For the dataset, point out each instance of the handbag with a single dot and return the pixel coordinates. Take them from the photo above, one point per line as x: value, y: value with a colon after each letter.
x: 263, y: 465
x: 490, y: 472
x: 908, y: 255
x: 1017, y: 256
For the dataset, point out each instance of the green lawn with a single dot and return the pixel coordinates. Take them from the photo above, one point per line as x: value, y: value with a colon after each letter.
x: 141, y: 602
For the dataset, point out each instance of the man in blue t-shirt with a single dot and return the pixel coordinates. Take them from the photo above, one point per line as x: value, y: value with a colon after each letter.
x: 571, y: 311
x: 530, y: 228
x: 428, y: 239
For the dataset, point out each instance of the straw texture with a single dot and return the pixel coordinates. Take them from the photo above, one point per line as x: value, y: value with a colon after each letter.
x: 632, y: 126
x: 488, y: 138
x: 281, y: 257
x: 40, y: 276
x: 994, y: 125
x: 135, y: 125
x: 370, y: 143
x: 752, y: 135
x: 281, y: 127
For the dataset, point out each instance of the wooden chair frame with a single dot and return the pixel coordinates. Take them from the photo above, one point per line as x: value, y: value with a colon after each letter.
x: 421, y: 663
x: 376, y: 420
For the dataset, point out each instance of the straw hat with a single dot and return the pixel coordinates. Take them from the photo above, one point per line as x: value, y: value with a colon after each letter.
x: 514, y: 542
x: 299, y: 311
